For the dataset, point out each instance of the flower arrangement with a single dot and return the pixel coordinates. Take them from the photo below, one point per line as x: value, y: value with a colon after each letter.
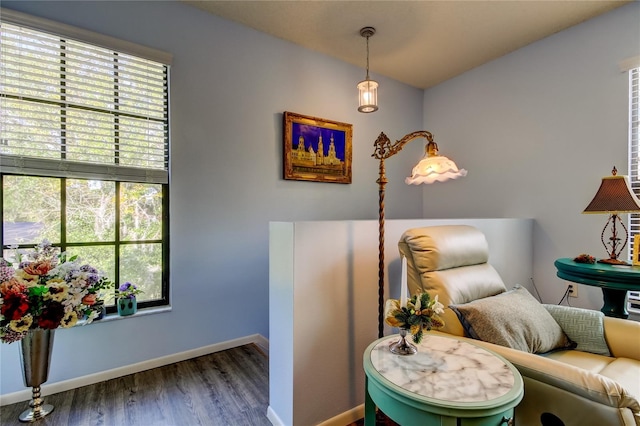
x: 47, y: 290
x: 127, y: 291
x: 420, y: 314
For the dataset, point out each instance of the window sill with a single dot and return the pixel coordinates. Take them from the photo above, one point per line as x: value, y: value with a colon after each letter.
x: 139, y: 313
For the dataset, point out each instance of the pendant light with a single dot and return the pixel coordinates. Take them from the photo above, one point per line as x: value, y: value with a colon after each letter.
x: 367, y: 89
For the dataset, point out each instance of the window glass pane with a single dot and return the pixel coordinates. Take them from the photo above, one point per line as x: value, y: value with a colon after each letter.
x: 30, y: 65
x: 28, y: 127
x: 141, y: 88
x: 141, y: 264
x: 90, y: 137
x: 31, y: 209
x: 140, y: 211
x: 101, y: 258
x: 16, y: 255
x: 90, y: 210
x: 89, y: 73
x: 142, y: 143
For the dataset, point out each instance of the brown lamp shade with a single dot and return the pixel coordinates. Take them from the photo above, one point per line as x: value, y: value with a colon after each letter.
x: 614, y: 196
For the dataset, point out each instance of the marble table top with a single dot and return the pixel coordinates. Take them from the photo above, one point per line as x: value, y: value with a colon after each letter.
x: 445, y: 368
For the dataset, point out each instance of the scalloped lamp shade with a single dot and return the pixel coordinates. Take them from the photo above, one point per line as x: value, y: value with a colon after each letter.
x: 434, y: 169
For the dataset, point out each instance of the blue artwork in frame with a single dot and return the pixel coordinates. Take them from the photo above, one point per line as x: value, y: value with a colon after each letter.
x: 316, y: 149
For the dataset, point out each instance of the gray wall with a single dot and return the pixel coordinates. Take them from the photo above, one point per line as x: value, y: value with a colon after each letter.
x: 538, y: 129
x: 229, y: 88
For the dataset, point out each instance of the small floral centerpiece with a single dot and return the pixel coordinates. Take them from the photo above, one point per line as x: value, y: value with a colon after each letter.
x: 127, y: 291
x: 420, y: 314
x: 45, y: 289
x: 126, y: 299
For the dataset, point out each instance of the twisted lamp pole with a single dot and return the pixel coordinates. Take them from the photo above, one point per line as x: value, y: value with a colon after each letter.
x: 383, y: 149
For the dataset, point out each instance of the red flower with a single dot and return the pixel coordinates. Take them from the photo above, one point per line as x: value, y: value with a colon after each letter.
x: 51, y: 316
x: 15, y: 305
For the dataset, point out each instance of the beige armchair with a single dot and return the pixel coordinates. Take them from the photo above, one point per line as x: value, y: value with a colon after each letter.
x: 573, y: 375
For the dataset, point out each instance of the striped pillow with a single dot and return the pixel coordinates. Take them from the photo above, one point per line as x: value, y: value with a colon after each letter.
x: 583, y: 326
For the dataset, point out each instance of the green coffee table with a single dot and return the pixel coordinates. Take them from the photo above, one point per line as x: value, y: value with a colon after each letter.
x: 449, y: 382
x: 615, y: 281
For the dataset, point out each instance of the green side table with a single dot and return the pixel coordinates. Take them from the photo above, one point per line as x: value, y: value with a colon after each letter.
x: 449, y: 382
x: 615, y: 281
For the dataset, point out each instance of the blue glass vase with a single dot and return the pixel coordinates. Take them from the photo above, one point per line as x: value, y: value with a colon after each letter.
x: 127, y: 306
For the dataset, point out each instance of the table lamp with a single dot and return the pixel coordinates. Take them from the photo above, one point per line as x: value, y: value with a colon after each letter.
x: 613, y: 197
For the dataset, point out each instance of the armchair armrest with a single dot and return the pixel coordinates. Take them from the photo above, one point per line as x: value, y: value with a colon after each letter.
x: 592, y: 386
x: 623, y: 337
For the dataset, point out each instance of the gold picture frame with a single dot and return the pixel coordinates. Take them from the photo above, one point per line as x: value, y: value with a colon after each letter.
x: 636, y: 250
x: 316, y: 149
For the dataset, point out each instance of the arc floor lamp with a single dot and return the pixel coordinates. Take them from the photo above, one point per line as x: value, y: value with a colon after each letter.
x: 432, y: 168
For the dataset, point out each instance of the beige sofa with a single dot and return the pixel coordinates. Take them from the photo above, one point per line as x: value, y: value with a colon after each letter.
x: 573, y: 386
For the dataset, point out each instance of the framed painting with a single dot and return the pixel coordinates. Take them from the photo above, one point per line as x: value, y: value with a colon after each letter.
x: 636, y: 250
x: 316, y: 149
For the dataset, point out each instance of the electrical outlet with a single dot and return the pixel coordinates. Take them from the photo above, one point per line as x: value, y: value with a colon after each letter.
x: 573, y: 290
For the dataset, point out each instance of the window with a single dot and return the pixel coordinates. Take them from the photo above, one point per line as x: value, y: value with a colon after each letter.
x: 84, y: 150
x: 634, y: 150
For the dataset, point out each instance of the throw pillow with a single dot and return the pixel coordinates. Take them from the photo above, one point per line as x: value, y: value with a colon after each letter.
x: 514, y: 319
x: 583, y: 326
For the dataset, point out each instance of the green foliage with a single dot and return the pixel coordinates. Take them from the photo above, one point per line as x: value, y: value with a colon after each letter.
x: 90, y: 217
x: 38, y: 290
x: 419, y: 315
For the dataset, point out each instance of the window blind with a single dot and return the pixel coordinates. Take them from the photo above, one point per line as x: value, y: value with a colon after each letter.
x: 74, y: 109
x: 634, y: 149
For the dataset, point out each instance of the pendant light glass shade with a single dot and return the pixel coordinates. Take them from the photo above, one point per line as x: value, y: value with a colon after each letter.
x: 367, y: 96
x: 367, y: 88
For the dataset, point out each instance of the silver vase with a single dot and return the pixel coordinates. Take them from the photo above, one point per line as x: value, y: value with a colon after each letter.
x: 402, y: 347
x: 35, y: 349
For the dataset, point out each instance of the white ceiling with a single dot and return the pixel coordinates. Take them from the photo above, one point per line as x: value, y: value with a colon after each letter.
x: 421, y: 43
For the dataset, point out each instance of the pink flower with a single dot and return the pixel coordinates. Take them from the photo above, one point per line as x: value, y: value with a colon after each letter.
x: 38, y: 268
x: 90, y: 299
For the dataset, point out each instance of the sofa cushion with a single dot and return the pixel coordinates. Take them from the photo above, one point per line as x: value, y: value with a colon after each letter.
x: 584, y: 360
x: 463, y: 285
x: 450, y: 261
x: 514, y: 319
x: 626, y: 372
x: 436, y: 248
x: 585, y: 327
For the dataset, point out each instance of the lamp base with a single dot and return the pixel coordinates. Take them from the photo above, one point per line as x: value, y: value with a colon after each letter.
x: 613, y: 262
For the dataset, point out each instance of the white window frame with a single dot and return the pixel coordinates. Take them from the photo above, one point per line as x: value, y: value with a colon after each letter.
x: 633, y: 65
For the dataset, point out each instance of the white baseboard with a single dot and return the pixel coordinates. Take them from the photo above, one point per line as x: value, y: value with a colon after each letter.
x: 345, y: 418
x: 342, y: 419
x: 65, y: 385
x: 273, y: 417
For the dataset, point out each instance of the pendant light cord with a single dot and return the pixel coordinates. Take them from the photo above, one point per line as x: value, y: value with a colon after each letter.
x: 367, y: 58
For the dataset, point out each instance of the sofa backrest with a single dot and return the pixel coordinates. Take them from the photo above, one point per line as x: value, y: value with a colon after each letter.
x: 450, y: 261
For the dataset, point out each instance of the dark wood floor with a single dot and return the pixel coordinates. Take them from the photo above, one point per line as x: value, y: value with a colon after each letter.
x: 225, y: 388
